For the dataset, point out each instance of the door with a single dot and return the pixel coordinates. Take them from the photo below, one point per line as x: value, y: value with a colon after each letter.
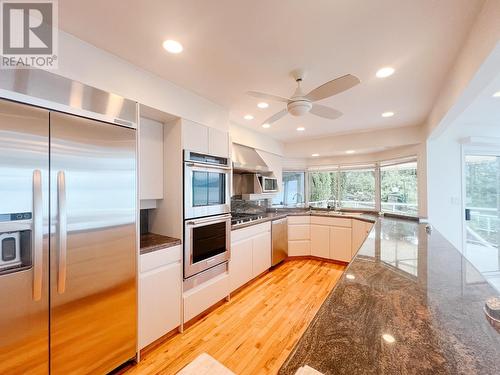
x: 24, y: 168
x: 261, y: 255
x: 93, y: 245
x: 340, y: 244
x: 320, y: 241
x: 482, y: 214
x: 240, y: 264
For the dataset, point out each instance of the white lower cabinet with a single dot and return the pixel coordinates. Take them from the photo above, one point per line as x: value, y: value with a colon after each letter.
x: 360, y: 230
x: 320, y: 241
x: 250, y: 254
x: 261, y: 254
x: 340, y: 244
x: 299, y: 248
x: 159, y: 294
x: 240, y: 265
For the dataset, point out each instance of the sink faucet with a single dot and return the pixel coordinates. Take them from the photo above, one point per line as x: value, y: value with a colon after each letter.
x: 335, y: 203
x: 295, y: 198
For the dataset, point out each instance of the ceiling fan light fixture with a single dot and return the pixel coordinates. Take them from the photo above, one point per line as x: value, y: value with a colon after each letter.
x: 299, y: 107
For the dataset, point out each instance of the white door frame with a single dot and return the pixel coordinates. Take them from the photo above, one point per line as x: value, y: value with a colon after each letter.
x: 472, y: 149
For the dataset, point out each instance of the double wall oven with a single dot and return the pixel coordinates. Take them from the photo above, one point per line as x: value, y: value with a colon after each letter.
x: 207, y: 212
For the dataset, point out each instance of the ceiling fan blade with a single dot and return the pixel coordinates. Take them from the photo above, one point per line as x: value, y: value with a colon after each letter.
x: 325, y: 112
x: 261, y: 95
x: 276, y: 116
x: 333, y: 87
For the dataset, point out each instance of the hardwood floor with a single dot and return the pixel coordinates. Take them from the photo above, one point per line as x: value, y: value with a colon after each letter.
x: 257, y: 329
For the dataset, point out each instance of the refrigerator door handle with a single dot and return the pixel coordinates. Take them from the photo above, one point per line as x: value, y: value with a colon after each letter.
x: 37, y: 235
x: 62, y: 232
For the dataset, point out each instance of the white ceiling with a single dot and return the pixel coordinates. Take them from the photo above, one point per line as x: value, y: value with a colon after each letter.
x: 231, y: 47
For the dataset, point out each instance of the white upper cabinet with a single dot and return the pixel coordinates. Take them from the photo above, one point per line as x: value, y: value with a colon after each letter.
x: 151, y: 159
x: 203, y: 139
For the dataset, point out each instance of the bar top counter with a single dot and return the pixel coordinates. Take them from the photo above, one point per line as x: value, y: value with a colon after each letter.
x: 409, y: 303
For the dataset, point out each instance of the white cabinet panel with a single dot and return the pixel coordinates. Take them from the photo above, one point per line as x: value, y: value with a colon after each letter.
x: 299, y: 219
x: 159, y: 302
x: 151, y: 159
x: 299, y: 232
x: 340, y: 244
x: 218, y: 142
x: 240, y: 264
x: 299, y: 248
x: 194, y: 136
x: 205, y: 295
x: 320, y: 241
x: 261, y: 253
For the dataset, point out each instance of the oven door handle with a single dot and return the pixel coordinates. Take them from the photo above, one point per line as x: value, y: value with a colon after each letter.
x: 211, y: 166
x: 219, y: 219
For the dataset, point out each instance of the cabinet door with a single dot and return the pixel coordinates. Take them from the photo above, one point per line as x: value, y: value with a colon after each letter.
x: 240, y: 264
x: 218, y: 142
x: 299, y: 248
x: 194, y: 136
x: 261, y: 253
x: 151, y: 159
x: 340, y: 244
x: 159, y: 302
x: 299, y: 232
x: 320, y: 241
x: 358, y: 235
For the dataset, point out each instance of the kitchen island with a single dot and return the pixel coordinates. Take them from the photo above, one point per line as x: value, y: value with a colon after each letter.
x: 409, y: 303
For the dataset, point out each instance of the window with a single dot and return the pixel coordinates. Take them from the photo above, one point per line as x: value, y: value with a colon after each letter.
x: 357, y: 188
x: 398, y: 188
x: 293, y: 188
x: 322, y: 188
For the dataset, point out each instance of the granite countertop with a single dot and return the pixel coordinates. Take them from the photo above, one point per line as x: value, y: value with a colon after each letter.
x: 409, y: 303
x: 152, y: 242
x: 282, y: 213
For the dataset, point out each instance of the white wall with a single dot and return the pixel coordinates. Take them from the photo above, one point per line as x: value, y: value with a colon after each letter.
x: 83, y: 62
x: 483, y: 38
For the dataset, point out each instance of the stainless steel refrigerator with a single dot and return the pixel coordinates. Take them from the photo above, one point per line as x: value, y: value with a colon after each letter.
x: 68, y: 242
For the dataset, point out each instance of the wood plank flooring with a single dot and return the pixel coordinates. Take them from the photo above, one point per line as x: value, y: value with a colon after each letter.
x: 257, y: 329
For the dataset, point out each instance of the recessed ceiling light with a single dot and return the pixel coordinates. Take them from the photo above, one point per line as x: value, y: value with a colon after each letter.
x: 388, y: 338
x: 262, y: 105
x: 315, y: 155
x: 385, y: 72
x: 301, y: 129
x: 497, y: 94
x: 350, y: 276
x: 172, y: 46
x: 248, y: 117
x: 266, y: 126
x: 350, y: 152
x: 387, y: 114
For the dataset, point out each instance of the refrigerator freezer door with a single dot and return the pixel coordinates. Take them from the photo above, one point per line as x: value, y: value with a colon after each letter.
x: 93, y: 264
x: 24, y: 181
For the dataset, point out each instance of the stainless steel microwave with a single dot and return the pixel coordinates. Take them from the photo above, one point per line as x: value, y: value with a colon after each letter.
x: 268, y: 184
x: 207, y: 189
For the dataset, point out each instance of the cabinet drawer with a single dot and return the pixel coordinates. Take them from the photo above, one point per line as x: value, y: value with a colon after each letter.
x: 299, y: 219
x: 299, y: 248
x: 248, y: 232
x: 205, y: 295
x: 331, y: 221
x: 298, y: 232
x: 159, y: 258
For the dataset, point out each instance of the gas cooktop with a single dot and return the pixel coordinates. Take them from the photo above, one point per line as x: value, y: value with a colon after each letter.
x: 240, y: 218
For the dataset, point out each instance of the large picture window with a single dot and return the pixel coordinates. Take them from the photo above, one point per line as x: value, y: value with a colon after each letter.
x: 398, y: 188
x: 293, y: 188
x: 322, y: 188
x: 357, y: 188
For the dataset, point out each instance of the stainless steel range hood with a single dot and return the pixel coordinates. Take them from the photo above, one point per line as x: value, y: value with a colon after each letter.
x: 247, y: 159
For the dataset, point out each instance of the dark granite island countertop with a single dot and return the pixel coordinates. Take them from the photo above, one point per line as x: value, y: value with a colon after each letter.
x: 409, y: 303
x: 153, y: 242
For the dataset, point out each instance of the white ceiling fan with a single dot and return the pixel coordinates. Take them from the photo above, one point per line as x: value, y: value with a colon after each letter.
x: 299, y: 103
